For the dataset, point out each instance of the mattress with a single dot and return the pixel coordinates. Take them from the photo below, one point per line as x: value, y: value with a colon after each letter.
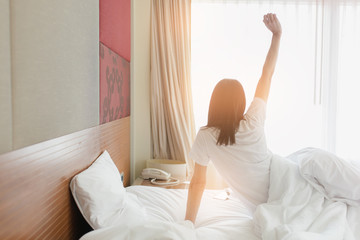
x: 220, y: 216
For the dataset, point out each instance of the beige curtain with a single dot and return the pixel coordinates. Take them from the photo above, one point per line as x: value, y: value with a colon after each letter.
x: 172, y: 120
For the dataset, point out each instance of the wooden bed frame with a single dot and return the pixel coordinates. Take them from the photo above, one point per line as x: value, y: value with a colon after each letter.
x: 35, y: 200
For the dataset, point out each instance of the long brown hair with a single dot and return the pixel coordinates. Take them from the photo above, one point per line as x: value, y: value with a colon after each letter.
x: 226, y: 109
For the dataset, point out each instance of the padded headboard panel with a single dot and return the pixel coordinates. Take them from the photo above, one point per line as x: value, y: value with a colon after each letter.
x: 35, y: 200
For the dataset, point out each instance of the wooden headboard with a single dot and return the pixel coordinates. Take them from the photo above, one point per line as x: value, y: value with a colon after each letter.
x: 35, y: 200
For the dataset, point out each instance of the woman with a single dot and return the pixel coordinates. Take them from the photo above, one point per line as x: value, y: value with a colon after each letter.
x: 235, y: 142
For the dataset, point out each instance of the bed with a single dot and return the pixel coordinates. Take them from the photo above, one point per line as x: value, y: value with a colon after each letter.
x: 303, y: 203
x: 164, y: 210
x: 143, y: 212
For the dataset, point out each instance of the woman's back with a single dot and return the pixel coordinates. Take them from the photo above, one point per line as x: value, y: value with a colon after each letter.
x: 245, y: 164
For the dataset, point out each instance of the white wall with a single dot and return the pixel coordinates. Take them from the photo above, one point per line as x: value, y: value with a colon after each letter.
x: 140, y: 86
x: 5, y: 78
x: 55, y: 68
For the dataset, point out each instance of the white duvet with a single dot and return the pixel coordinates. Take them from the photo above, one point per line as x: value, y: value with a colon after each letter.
x: 307, y: 202
x: 314, y: 195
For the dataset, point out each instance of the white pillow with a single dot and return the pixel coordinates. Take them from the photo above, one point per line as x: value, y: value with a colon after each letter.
x: 336, y: 178
x: 99, y: 192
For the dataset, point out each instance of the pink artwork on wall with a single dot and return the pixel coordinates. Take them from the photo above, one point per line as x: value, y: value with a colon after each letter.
x: 114, y: 86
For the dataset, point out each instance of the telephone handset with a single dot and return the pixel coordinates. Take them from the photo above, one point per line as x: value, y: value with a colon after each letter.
x: 155, y: 173
x: 158, y: 174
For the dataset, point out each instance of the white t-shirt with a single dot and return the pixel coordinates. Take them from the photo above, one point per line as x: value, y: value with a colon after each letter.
x: 244, y: 165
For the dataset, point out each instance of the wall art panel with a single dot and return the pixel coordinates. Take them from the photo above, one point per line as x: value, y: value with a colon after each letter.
x: 114, y: 86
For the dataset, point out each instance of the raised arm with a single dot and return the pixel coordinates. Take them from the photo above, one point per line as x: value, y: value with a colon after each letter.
x: 263, y: 87
x: 196, y: 189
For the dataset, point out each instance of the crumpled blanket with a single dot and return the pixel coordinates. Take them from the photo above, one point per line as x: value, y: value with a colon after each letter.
x: 304, y: 201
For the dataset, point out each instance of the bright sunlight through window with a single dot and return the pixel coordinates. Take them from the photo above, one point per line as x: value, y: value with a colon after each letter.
x: 229, y: 40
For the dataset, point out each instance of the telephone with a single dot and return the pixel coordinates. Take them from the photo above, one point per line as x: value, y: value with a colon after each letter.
x: 155, y: 173
x: 158, y: 174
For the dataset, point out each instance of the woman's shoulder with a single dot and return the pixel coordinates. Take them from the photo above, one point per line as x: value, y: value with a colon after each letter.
x: 256, y: 114
x: 203, y: 128
x: 208, y: 131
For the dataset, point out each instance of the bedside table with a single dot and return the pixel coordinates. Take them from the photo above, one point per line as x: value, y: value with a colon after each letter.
x: 143, y: 182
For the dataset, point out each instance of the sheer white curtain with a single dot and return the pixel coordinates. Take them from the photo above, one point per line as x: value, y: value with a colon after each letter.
x: 172, y: 121
x: 348, y: 85
x: 229, y: 40
x: 314, y: 94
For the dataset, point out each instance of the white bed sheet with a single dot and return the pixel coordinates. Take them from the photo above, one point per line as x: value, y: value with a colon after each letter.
x: 165, y: 212
x: 295, y: 210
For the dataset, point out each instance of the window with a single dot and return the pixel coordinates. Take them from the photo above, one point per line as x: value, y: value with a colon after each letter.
x: 348, y: 84
x: 229, y: 40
